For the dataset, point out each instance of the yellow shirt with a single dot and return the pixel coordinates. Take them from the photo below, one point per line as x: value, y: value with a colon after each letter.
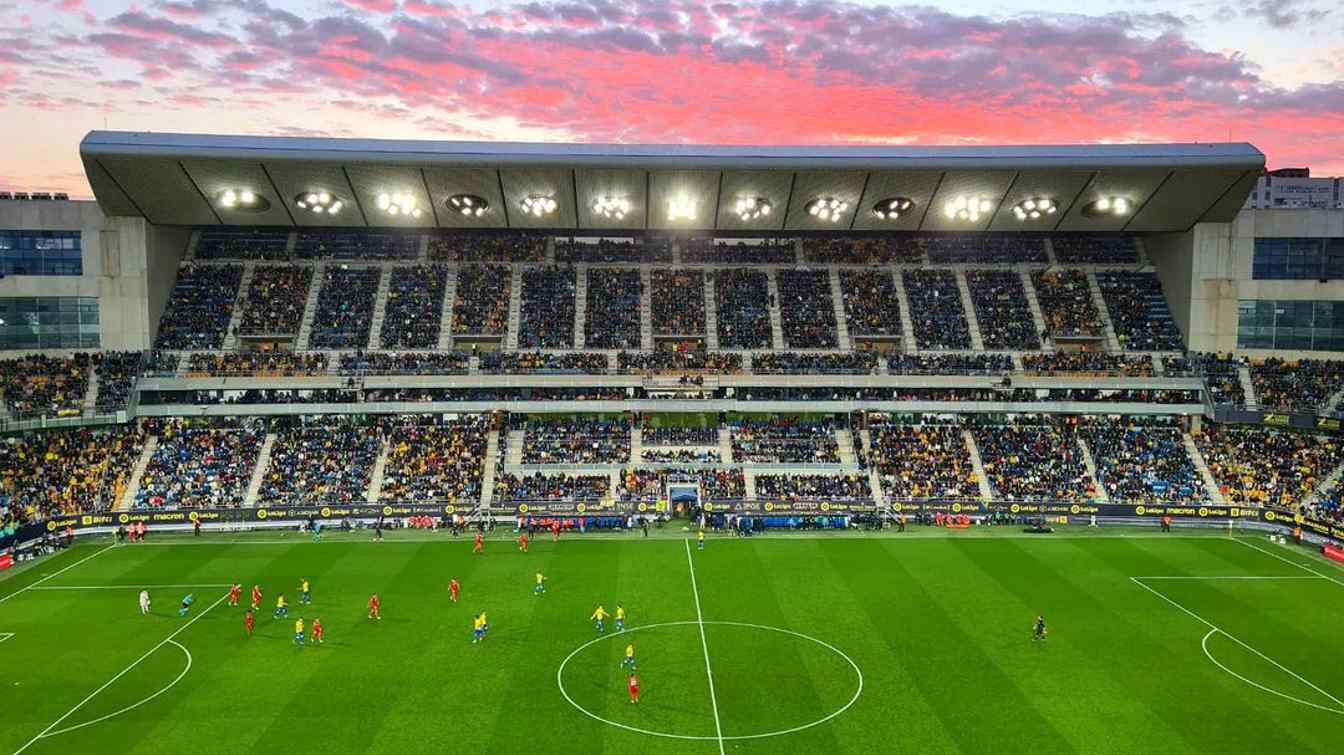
x: 600, y: 614
x: 540, y: 578
x: 629, y: 651
x: 700, y: 535
x: 620, y: 613
x: 298, y: 627
x: 280, y: 602
x: 476, y: 623
x: 305, y: 585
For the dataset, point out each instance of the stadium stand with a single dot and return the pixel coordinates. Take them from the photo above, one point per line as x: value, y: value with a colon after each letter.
x: 1001, y: 309
x: 806, y: 310
x: 241, y: 244
x: 487, y: 247
x: 360, y: 246
x: 784, y: 440
x: 434, y: 461
x: 1139, y: 312
x: 404, y: 363
x: 548, y: 308
x: 677, y: 302
x: 1093, y: 249
x: 54, y: 472
x: 576, y: 441
x: 1066, y: 304
x: 49, y: 385
x: 199, y: 307
x: 1033, y: 462
x: 275, y: 300
x: 881, y: 250
x: 763, y: 251
x: 1142, y: 460
x: 551, y: 487
x: 345, y: 308
x: 1306, y: 384
x: 414, y: 307
x: 323, y: 461
x: 200, y: 463
x: 1261, y: 467
x: 607, y: 251
x: 482, y: 306
x: 742, y: 303
x: 612, y: 310
x: 872, y: 306
x: 921, y: 461
x: 936, y: 314
x: 805, y: 487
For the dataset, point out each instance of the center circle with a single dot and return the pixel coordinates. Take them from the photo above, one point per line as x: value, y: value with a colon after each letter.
x: 858, y: 675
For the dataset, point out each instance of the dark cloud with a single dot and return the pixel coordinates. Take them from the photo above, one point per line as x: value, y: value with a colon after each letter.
x: 1284, y: 14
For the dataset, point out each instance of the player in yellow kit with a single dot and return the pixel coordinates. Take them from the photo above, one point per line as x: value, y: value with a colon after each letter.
x: 620, y: 618
x: 281, y: 608
x: 541, y: 584
x: 298, y: 631
x: 478, y: 629
x: 629, y: 660
x: 600, y: 616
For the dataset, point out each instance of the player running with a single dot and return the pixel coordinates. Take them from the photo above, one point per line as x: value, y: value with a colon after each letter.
x: 375, y: 607
x: 305, y: 595
x: 298, y: 631
x: 317, y: 631
x: 522, y: 542
x: 629, y: 660
x: 540, y: 589
x: 479, y: 545
x: 485, y: 625
x: 620, y: 618
x: 144, y: 602
x: 186, y: 604
x: 633, y: 686
x: 249, y: 622
x: 256, y: 597
x: 700, y: 540
x: 281, y: 607
x: 477, y: 629
x: 454, y: 589
x: 234, y: 592
x: 1039, y: 629
x: 600, y: 616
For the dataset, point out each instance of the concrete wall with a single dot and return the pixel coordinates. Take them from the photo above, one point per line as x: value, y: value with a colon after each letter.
x: 129, y: 266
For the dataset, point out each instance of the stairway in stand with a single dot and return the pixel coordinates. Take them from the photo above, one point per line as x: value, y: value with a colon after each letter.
x: 1248, y: 387
x: 515, y: 308
x: 776, y: 318
x: 380, y: 308
x: 488, y: 473
x: 1098, y: 300
x: 376, y: 476
x: 1099, y: 494
x: 446, y: 315
x: 645, y: 307
x: 1197, y: 458
x: 580, y: 305
x: 986, y: 492
x: 259, y: 472
x: 239, y: 304
x: 127, y: 499
x: 310, y: 308
x: 907, y: 325
x: 972, y: 321
x: 843, y: 339
x: 711, y: 314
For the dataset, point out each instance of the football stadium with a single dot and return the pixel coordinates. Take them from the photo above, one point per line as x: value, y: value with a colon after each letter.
x: 346, y: 445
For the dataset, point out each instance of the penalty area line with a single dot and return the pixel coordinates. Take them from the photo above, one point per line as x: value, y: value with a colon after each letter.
x: 1290, y: 561
x: 48, y: 731
x: 56, y: 574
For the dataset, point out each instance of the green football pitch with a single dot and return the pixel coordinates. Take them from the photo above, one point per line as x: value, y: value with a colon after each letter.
x: 919, y: 643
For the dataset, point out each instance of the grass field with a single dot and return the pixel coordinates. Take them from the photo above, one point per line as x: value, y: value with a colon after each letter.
x: 1157, y: 644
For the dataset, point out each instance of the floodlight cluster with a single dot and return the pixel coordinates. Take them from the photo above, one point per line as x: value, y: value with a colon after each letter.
x: 681, y: 207
x: 612, y: 208
x: 892, y: 208
x: 827, y: 208
x: 399, y: 203
x: 1107, y: 206
x: 1034, y: 208
x: 967, y: 208
x: 753, y: 208
x: 319, y: 202
x: 539, y: 206
x: 241, y: 199
x: 470, y: 205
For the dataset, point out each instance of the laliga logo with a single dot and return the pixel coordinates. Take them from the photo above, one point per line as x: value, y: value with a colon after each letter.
x: 769, y: 506
x: 325, y: 512
x: 1203, y: 511
x: 387, y: 511
x: 710, y: 506
x: 581, y: 508
x: 1075, y: 509
x: 261, y: 513
x: 522, y: 508
x: 51, y: 526
x: 450, y: 509
x: 825, y: 506
x: 1140, y: 510
x: 193, y: 516
x: 956, y: 508
x: 643, y: 507
x: 123, y: 518
x: 1014, y: 508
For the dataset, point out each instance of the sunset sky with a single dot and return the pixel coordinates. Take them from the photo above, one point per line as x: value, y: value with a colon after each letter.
x: 743, y: 71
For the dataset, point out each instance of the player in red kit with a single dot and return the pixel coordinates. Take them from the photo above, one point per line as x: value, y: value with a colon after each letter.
x: 234, y: 592
x: 317, y: 631
x: 522, y: 542
x: 453, y: 589
x: 248, y: 623
x: 256, y: 597
x: 374, y: 606
x: 634, y: 689
x: 555, y: 530
x: 479, y: 545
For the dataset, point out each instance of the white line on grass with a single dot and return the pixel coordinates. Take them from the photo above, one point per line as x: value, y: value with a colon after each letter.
x: 120, y: 674
x: 1219, y: 630
x: 150, y: 587
x: 134, y: 705
x: 1298, y: 564
x: 1205, y: 644
x: 6, y: 636
x: 1280, y: 576
x: 704, y: 645
x: 57, y: 574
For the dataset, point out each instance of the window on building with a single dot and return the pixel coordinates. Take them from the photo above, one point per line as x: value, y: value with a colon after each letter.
x: 50, y: 322
x: 1290, y: 325
x: 40, y: 253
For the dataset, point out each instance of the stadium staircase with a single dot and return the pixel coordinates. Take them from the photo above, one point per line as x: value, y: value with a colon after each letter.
x: 513, y: 452
x: 636, y: 445
x: 845, y: 440
x: 91, y: 391
x: 240, y: 304
x: 379, y: 470
x: 550, y: 250
x: 1099, y: 301
x: 1205, y: 474
x: 645, y: 307
x: 676, y: 253
x: 874, y: 479
x: 776, y: 318
x: 310, y: 307
x: 446, y: 314
x: 488, y: 473
x: 842, y: 338
x: 380, y: 308
x: 1158, y: 367
x: 711, y: 314
x: 1248, y: 387
x: 127, y: 499
x: 1332, y: 404
x: 291, y: 241
x: 726, y: 445
x: 422, y: 249
x: 986, y: 492
x: 907, y: 325
x: 1050, y: 252
x: 580, y: 304
x: 515, y: 308
x: 1099, y: 493
x: 259, y: 473
x: 972, y: 322
x: 1327, y: 485
x: 1034, y: 305
x: 749, y: 482
x: 192, y: 243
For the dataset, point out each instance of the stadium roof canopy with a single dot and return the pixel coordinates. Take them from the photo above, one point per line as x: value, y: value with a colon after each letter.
x: 198, y: 180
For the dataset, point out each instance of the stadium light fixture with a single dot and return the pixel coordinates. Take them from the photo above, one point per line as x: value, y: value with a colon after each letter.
x: 1035, y: 208
x: 1107, y: 206
x: 242, y: 200
x: 539, y: 206
x: 753, y: 208
x: 967, y: 208
x: 681, y: 207
x: 892, y: 208
x: 469, y: 205
x: 319, y: 202
x: 399, y: 204
x: 827, y: 208
x: 611, y: 208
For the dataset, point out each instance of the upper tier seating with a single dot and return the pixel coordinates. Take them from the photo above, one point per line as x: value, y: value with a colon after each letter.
x: 1066, y: 304
x: 275, y: 300
x: 1139, y: 312
x: 357, y: 246
x: 611, y: 320
x: 1001, y: 309
x: 807, y: 312
x: 938, y: 319
x: 482, y: 306
x: 742, y: 303
x: 548, y: 308
x: 677, y: 302
x: 414, y: 310
x: 1094, y: 249
x: 872, y: 306
x: 200, y: 307
x: 241, y: 244
x: 487, y: 247
x: 345, y: 308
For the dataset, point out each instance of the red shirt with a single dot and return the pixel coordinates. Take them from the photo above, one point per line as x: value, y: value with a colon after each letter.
x: 233, y: 591
x: 478, y: 538
x: 317, y: 627
x: 248, y: 620
x: 453, y: 586
x: 373, y: 602
x: 256, y: 593
x: 634, y: 684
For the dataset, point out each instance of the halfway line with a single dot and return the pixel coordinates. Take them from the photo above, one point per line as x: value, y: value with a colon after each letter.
x: 704, y: 644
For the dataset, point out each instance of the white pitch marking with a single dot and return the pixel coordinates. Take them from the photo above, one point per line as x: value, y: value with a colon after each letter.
x: 704, y: 645
x: 56, y: 574
x: 6, y: 636
x: 129, y: 587
x: 1205, y: 644
x: 132, y: 706
x: 1213, y: 626
x: 120, y: 674
x: 1301, y: 566
x: 1233, y: 577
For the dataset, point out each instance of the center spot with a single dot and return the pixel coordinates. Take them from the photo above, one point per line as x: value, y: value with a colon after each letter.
x: 767, y: 681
